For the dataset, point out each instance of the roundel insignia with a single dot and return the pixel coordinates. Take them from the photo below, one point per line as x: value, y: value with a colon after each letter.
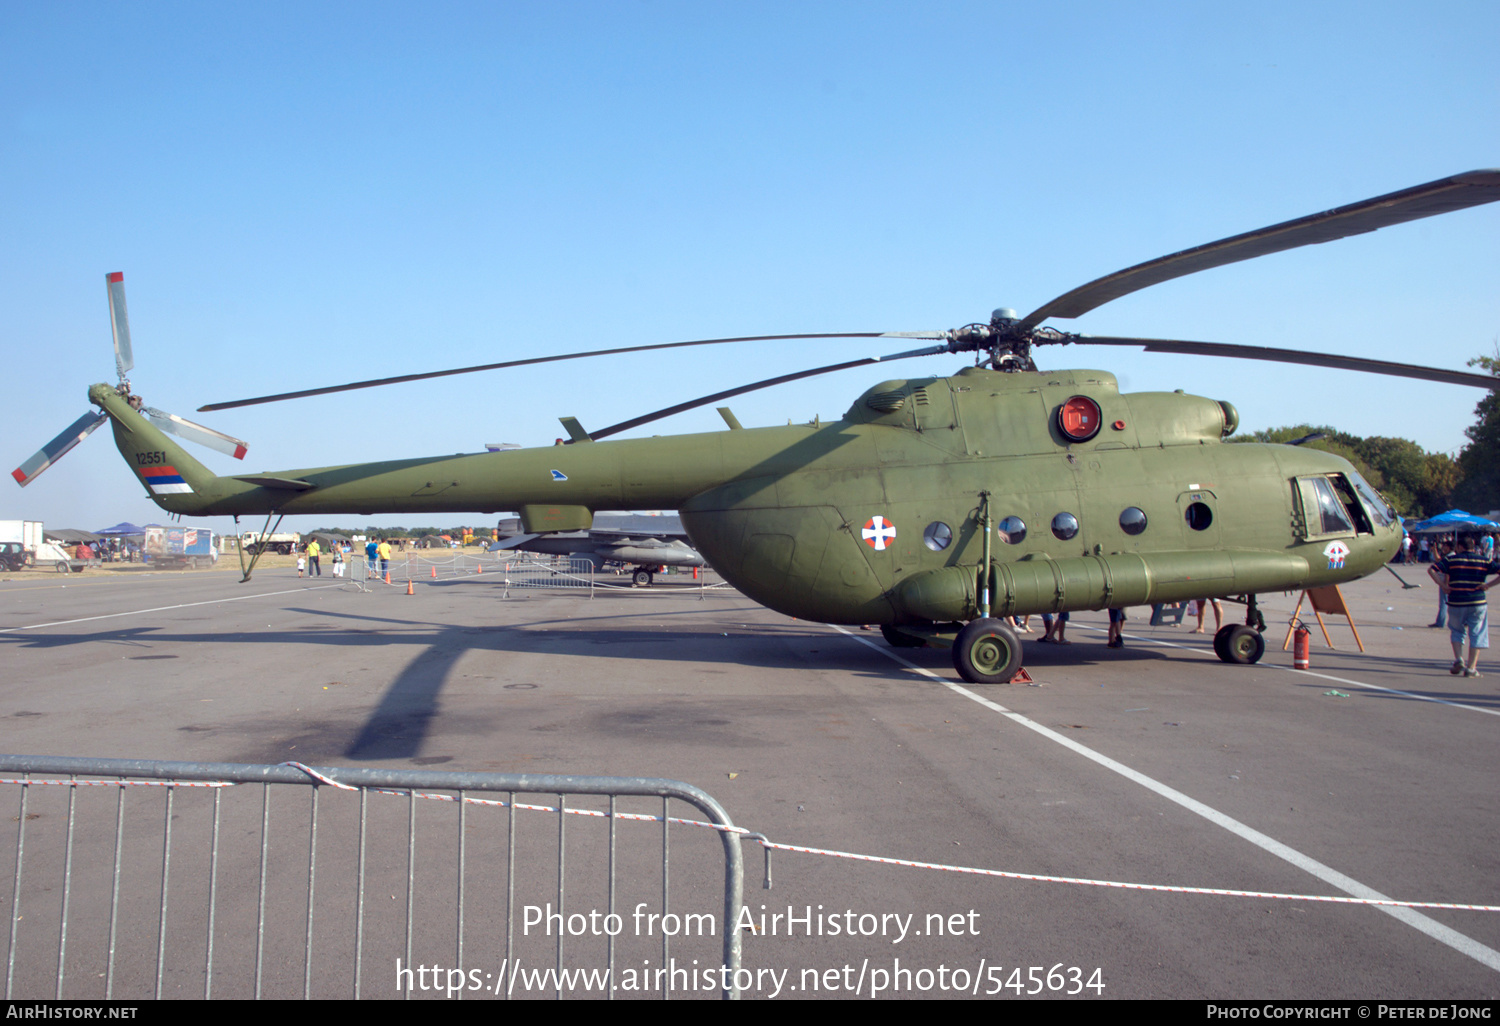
x: 1336, y: 551
x: 878, y: 533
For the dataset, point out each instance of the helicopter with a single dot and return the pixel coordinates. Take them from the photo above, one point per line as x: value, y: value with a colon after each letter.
x: 936, y: 506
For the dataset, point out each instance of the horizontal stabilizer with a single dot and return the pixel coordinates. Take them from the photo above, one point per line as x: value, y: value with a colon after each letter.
x: 289, y: 484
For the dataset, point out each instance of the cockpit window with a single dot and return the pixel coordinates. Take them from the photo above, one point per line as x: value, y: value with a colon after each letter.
x: 1331, y: 516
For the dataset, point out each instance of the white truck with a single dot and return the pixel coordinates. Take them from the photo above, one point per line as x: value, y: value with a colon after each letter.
x: 283, y: 543
x: 169, y: 547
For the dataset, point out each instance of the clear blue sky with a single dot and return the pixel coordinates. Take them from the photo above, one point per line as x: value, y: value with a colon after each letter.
x: 303, y: 194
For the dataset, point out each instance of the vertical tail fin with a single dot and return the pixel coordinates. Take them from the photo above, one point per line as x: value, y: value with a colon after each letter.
x: 174, y: 480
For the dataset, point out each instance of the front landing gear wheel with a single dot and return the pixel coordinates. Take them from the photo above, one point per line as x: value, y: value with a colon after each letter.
x: 987, y: 651
x: 642, y: 578
x: 1240, y: 644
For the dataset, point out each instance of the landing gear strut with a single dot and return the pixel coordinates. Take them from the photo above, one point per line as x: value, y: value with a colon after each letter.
x: 258, y: 549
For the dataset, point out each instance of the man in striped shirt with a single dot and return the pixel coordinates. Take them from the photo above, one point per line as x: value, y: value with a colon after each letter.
x: 1461, y: 576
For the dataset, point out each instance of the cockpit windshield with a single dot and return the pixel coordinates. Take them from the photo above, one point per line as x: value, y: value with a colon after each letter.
x: 1380, y: 511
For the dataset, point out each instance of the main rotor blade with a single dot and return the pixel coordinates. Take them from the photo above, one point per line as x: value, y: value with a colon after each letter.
x: 114, y: 282
x: 58, y: 447
x: 183, y: 428
x: 626, y: 425
x: 1470, y: 189
x: 1355, y: 363
x: 375, y: 382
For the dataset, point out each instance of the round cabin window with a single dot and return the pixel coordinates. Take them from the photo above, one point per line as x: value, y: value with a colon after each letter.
x: 1012, y: 530
x: 938, y: 536
x: 1065, y: 525
x: 1132, y: 520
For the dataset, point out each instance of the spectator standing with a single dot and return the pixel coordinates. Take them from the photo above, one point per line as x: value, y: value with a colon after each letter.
x: 1462, y: 578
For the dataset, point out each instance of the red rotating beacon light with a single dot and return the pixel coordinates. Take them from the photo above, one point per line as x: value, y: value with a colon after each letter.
x: 1079, y: 418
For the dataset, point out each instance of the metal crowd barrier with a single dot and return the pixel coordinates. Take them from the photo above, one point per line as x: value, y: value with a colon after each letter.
x: 135, y: 879
x: 524, y: 573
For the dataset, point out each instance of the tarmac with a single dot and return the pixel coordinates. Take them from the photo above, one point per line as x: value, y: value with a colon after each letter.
x: 1125, y: 777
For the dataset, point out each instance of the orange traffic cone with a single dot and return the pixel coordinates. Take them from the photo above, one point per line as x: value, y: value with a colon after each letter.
x: 434, y: 570
x: 387, y: 577
x: 409, y: 589
x: 479, y: 569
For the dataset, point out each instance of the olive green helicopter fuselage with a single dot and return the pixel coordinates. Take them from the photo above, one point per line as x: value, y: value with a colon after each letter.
x: 890, y: 515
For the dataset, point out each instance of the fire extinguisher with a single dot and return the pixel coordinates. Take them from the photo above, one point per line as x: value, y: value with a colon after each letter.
x: 1301, y: 646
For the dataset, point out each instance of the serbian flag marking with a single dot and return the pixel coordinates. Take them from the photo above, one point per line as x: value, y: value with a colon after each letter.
x: 165, y: 481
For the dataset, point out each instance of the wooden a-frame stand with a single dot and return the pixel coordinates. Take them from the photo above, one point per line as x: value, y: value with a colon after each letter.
x: 1324, y: 600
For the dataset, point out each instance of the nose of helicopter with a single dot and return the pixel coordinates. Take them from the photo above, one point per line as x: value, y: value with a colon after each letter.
x: 1369, y: 552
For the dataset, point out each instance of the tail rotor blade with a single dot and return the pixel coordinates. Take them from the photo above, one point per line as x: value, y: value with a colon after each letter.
x: 58, y: 447
x: 216, y: 440
x: 124, y: 359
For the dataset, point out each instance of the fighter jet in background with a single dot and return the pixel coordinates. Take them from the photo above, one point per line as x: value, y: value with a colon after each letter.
x: 644, y: 544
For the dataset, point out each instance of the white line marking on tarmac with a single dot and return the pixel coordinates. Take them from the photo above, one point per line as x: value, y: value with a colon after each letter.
x: 1437, y: 931
x: 1322, y: 676
x: 161, y: 609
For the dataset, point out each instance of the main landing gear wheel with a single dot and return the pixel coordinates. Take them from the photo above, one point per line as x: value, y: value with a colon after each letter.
x: 987, y: 651
x: 1239, y: 644
x: 642, y: 578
